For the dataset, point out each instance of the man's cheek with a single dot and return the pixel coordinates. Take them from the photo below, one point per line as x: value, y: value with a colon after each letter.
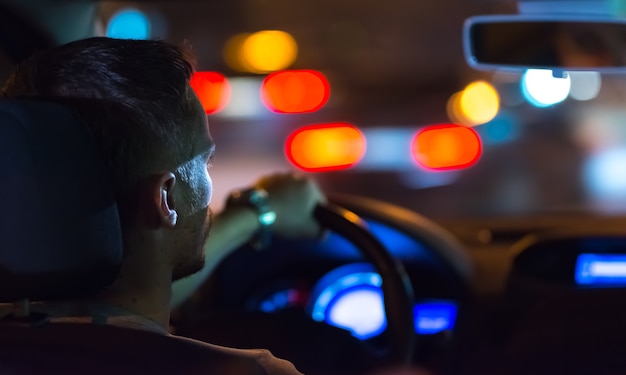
x: 209, y: 189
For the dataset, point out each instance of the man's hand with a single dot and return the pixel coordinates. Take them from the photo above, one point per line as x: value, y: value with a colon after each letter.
x: 293, y: 197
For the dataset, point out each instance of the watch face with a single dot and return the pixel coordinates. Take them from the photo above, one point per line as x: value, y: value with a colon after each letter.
x: 267, y: 218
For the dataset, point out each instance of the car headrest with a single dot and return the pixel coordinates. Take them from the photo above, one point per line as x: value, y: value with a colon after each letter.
x: 60, y: 234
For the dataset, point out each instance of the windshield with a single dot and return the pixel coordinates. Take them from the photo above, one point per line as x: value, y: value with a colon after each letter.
x: 395, y: 69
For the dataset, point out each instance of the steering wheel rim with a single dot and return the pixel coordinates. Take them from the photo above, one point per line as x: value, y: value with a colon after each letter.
x: 446, y: 248
x: 396, y: 285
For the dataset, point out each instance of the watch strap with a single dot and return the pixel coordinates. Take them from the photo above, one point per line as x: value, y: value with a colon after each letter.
x: 257, y: 199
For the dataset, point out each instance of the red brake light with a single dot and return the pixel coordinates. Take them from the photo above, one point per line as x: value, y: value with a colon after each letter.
x: 212, y: 89
x: 295, y: 91
x: 445, y: 147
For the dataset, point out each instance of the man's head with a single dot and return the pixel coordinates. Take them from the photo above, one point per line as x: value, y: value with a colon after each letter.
x: 158, y: 151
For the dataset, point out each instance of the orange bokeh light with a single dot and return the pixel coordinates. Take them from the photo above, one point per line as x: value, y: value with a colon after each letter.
x: 295, y: 91
x: 446, y: 147
x: 325, y: 147
x: 212, y: 89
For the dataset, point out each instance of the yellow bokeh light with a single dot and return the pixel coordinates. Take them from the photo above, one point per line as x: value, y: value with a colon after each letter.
x: 477, y: 104
x: 454, y: 110
x: 232, y: 52
x: 268, y: 51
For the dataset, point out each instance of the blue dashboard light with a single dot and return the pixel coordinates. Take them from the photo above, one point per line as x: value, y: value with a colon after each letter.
x: 350, y: 297
x: 600, y: 269
x: 360, y: 310
x: 434, y: 317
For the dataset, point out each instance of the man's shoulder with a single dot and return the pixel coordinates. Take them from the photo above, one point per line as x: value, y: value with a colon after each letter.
x: 253, y: 361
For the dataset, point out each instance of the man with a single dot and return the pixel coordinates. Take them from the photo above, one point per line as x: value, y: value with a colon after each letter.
x: 158, y: 162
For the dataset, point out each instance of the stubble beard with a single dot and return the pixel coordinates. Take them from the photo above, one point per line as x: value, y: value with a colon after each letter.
x: 196, y: 261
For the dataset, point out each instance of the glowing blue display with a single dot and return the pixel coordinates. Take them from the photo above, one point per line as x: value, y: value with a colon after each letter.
x: 360, y: 310
x: 434, y: 317
x: 129, y: 24
x: 350, y: 297
x: 599, y: 269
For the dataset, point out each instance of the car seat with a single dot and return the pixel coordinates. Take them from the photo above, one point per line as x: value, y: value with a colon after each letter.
x: 60, y: 239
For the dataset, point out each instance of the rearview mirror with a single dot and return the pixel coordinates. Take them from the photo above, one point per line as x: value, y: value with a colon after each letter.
x: 522, y: 42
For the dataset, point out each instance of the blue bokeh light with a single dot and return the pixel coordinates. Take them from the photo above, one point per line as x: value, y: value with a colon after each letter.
x: 129, y: 24
x: 502, y: 129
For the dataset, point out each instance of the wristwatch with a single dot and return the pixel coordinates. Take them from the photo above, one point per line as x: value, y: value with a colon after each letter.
x: 257, y: 199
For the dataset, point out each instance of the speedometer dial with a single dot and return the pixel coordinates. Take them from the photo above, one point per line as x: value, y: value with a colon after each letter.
x: 350, y: 297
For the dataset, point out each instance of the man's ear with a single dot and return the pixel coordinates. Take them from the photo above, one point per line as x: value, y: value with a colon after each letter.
x: 164, y: 199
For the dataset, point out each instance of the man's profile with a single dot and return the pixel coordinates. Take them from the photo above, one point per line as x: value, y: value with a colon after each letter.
x: 158, y: 160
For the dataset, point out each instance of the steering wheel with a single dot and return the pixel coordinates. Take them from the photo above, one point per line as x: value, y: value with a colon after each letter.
x: 445, y: 248
x: 396, y: 286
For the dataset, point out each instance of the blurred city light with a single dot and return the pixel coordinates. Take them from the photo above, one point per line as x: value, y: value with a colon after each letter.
x: 212, y: 89
x: 129, y: 23
x: 325, y: 147
x: 585, y: 85
x: 232, y: 52
x: 267, y: 51
x: 542, y: 89
x: 453, y: 109
x: 504, y: 128
x: 446, y: 146
x: 295, y: 91
x: 386, y: 149
x: 245, y: 101
x: 604, y: 174
x: 508, y: 86
x: 478, y: 103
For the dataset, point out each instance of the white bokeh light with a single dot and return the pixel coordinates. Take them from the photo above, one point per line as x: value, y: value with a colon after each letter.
x: 245, y: 100
x: 605, y: 174
x: 542, y: 89
x: 585, y: 85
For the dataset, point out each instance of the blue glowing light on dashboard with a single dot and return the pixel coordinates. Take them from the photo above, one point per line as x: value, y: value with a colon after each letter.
x: 360, y: 310
x: 339, y: 287
x: 401, y: 245
x: 600, y: 269
x: 434, y: 317
x: 129, y: 24
x: 351, y: 297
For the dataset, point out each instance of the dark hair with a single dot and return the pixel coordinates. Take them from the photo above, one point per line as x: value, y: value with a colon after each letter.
x: 148, y: 78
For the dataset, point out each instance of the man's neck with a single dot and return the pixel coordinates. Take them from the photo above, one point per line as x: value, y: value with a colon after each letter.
x: 143, y: 287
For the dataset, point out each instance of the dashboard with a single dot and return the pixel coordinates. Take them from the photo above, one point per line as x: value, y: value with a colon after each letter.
x: 330, y: 281
x: 300, y: 296
x: 350, y: 297
x: 572, y: 261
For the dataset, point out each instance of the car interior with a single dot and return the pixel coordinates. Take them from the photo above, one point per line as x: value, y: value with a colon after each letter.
x: 493, y: 243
